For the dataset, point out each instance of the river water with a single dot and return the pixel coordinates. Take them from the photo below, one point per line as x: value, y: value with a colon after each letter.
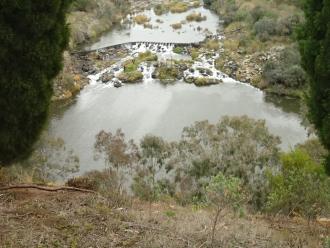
x: 162, y: 30
x: 150, y: 107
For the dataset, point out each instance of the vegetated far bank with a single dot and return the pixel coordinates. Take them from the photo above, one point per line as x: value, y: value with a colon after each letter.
x: 260, y: 46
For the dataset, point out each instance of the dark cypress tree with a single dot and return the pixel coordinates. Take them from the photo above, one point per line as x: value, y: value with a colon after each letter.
x: 33, y: 36
x: 315, y: 50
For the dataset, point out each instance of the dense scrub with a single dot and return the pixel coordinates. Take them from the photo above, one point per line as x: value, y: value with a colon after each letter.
x: 260, y: 26
x: 235, y: 148
x: 285, y: 72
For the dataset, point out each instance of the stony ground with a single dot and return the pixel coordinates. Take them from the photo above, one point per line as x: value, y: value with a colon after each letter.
x: 31, y: 218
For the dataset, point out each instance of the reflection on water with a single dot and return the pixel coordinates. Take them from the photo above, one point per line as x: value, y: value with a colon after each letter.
x: 162, y: 30
x: 153, y: 108
x: 289, y: 105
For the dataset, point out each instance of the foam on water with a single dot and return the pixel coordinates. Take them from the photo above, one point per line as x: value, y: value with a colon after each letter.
x: 165, y: 52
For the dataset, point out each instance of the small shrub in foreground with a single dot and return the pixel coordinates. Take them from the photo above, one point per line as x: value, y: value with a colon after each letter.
x: 301, y: 187
x: 224, y: 192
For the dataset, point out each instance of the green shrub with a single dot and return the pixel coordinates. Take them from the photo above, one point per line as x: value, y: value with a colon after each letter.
x: 286, y: 70
x: 287, y: 25
x: 160, y: 9
x: 314, y: 149
x: 300, y: 187
x: 207, y: 2
x: 166, y: 73
x: 257, y: 13
x: 130, y: 67
x: 223, y: 192
x: 212, y: 45
x: 273, y: 73
x: 295, y: 76
x: 178, y: 50
x: 265, y: 28
x: 83, y: 5
x: 147, y: 56
x: 131, y: 77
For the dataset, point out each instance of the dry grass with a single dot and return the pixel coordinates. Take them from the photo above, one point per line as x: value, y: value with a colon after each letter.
x: 196, y: 4
x: 195, y: 17
x: 212, y: 45
x: 38, y: 219
x: 178, y: 7
x: 176, y: 25
x: 231, y: 44
x: 141, y: 19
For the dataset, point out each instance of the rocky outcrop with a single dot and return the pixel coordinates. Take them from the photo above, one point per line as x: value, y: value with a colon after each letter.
x: 72, y: 79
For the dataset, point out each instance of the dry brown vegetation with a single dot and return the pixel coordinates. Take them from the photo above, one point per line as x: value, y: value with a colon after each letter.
x: 141, y: 19
x: 197, y: 17
x: 176, y: 25
x: 178, y: 7
x: 30, y: 218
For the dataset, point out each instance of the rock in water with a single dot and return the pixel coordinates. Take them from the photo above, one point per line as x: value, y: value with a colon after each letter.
x: 106, y: 77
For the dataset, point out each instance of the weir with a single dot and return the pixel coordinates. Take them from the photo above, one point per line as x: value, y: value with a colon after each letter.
x: 148, y: 43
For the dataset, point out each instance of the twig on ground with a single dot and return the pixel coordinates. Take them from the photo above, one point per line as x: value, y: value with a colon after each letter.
x: 49, y: 189
x: 159, y: 230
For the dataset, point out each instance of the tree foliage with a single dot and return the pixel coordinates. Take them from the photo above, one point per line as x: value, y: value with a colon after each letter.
x: 33, y: 36
x: 116, y: 151
x: 314, y: 38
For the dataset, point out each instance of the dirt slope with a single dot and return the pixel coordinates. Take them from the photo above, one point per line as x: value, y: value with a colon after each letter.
x: 33, y: 218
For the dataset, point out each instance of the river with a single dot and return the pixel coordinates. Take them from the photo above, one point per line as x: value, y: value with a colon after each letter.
x: 150, y: 107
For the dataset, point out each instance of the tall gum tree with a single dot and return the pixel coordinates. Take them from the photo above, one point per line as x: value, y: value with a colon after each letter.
x: 33, y: 36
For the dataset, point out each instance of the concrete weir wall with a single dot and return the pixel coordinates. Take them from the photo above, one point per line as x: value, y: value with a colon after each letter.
x: 193, y: 44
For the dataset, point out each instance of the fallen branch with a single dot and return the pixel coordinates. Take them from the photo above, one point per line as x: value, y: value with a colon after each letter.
x: 49, y: 189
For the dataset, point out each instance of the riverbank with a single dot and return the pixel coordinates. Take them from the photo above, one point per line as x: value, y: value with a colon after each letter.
x: 259, y: 46
x: 88, y: 20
